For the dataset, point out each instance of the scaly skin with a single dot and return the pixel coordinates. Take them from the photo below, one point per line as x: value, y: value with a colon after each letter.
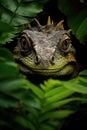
x: 46, y: 50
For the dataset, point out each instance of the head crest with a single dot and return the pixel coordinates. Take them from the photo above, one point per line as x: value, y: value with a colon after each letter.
x: 49, y: 21
x: 60, y: 24
x: 38, y: 23
x: 27, y: 26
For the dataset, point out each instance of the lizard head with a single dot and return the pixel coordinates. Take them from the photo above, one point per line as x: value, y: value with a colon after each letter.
x: 46, y: 50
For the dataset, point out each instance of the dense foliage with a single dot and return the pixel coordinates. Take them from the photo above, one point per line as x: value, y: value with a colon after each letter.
x: 76, y: 12
x: 24, y: 105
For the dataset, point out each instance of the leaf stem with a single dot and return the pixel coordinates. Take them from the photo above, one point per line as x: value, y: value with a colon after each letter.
x: 15, y: 12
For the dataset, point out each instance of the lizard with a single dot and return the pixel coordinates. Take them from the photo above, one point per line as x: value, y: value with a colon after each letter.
x: 46, y: 50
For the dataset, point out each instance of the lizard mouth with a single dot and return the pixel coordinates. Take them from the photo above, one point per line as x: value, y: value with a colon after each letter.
x: 66, y: 69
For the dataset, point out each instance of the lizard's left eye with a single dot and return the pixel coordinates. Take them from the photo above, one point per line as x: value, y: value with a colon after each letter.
x: 65, y: 44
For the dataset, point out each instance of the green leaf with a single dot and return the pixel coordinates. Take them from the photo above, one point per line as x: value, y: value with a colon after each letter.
x: 36, y: 90
x: 81, y: 33
x: 16, y: 20
x: 20, y: 20
x: 24, y: 122
x: 61, y: 103
x: 46, y: 127
x: 76, y: 14
x: 13, y: 84
x: 55, y: 123
x: 6, y: 37
x: 66, y: 3
x: 78, y: 84
x: 33, y: 115
x: 18, y: 88
x: 7, y: 101
x: 5, y: 55
x: 16, y: 13
x: 52, y: 84
x: 11, y: 4
x: 83, y: 73
x: 59, y: 114
x: 8, y: 70
x: 54, y: 91
x: 30, y: 9
x: 6, y: 16
x: 59, y: 96
x: 4, y: 27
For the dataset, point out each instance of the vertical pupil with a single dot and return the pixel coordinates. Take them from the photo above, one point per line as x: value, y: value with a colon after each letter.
x: 65, y: 43
x: 24, y: 44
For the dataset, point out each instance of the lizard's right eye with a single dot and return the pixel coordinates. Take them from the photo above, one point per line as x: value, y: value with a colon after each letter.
x: 25, y: 43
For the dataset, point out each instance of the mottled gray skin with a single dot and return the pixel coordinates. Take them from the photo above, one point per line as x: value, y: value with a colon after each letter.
x: 45, y: 50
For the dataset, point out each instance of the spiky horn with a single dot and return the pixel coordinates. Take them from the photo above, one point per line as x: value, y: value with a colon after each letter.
x: 49, y: 21
x: 60, y: 24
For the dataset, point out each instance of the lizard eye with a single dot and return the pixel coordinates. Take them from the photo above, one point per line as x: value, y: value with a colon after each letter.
x: 65, y: 44
x: 25, y: 44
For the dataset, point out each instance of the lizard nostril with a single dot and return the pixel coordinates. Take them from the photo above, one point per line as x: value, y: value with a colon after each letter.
x: 38, y: 60
x: 52, y: 60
